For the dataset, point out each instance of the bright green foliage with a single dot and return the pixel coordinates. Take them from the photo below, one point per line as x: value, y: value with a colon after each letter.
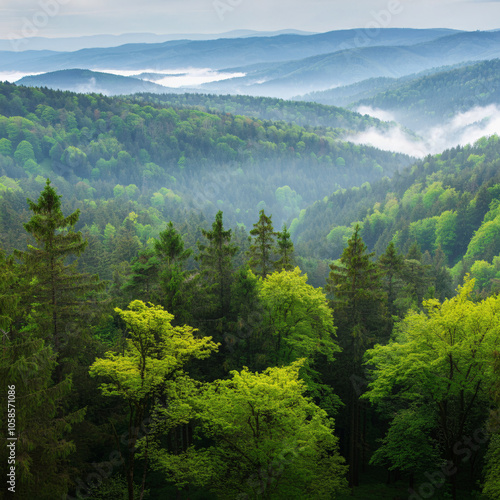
x: 441, y: 363
x: 270, y: 442
x: 216, y: 266
x: 407, y: 446
x: 24, y: 152
x: 262, y: 248
x: 485, y: 243
x: 297, y: 316
x: 5, y: 147
x: 446, y: 232
x: 154, y: 351
x: 149, y: 366
x: 285, y: 250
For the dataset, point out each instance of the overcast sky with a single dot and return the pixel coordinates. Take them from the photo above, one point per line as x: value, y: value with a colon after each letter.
x: 57, y: 18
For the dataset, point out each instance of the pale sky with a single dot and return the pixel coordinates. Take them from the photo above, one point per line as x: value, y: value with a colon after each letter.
x: 62, y: 18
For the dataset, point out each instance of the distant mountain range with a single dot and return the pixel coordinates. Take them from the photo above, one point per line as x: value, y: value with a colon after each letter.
x: 274, y: 66
x: 346, y: 67
x: 215, y: 54
x: 69, y: 44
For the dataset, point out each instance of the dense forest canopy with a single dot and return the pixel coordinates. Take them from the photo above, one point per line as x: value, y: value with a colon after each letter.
x: 216, y: 297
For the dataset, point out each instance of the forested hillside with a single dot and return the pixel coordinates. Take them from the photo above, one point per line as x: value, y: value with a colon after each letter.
x: 86, y: 81
x: 266, y: 108
x: 97, y: 148
x: 348, y: 95
x: 447, y: 201
x: 434, y: 99
x: 166, y: 333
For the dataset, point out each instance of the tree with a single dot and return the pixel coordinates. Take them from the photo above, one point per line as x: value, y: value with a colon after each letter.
x: 359, y: 310
x: 56, y: 286
x: 149, y: 370
x: 297, y: 317
x: 144, y: 276
x: 269, y: 440
x: 441, y: 364
x: 261, y: 251
x: 169, y: 248
x: 492, y: 469
x: 216, y: 266
x: 391, y: 263
x: 26, y: 367
x: 285, y: 250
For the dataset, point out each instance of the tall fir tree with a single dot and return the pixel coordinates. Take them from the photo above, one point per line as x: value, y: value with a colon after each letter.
x: 391, y: 263
x: 216, y: 265
x: 27, y: 364
x: 169, y: 249
x: 263, y: 246
x: 285, y: 250
x: 59, y: 289
x: 360, y: 314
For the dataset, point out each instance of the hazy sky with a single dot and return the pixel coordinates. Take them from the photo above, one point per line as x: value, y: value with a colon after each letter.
x: 55, y: 18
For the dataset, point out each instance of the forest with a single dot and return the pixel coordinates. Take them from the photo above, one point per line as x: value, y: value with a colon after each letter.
x: 204, y: 297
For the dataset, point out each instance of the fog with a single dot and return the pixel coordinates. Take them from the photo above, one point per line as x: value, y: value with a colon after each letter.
x: 14, y: 76
x: 179, y: 77
x: 463, y: 128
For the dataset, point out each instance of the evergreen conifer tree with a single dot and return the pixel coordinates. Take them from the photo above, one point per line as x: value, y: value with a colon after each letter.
x: 262, y: 249
x: 285, y: 250
x: 216, y: 265
x: 360, y: 314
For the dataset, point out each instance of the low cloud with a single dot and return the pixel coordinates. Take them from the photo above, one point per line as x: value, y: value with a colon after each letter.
x: 381, y: 114
x: 14, y: 76
x: 189, y: 77
x: 89, y: 87
x: 463, y: 128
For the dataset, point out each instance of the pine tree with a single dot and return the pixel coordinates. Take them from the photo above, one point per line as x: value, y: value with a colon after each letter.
x: 26, y: 366
x: 261, y: 251
x: 172, y: 255
x: 216, y: 265
x: 54, y: 285
x: 142, y: 284
x: 360, y: 314
x: 391, y: 264
x: 285, y: 250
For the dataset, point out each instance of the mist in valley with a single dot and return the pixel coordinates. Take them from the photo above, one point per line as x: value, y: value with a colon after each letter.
x: 463, y: 128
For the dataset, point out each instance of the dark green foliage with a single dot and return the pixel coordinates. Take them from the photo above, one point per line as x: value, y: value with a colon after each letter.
x: 391, y: 263
x: 285, y: 250
x: 262, y: 248
x: 56, y: 287
x: 172, y: 255
x: 215, y: 258
x: 359, y: 309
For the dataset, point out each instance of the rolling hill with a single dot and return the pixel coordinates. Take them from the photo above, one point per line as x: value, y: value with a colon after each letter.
x: 86, y: 81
